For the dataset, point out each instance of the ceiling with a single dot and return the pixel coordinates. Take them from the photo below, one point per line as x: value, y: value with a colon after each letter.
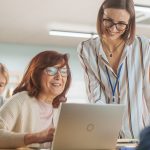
x: 28, y: 21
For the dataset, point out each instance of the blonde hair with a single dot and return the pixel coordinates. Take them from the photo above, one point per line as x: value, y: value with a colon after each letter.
x: 4, y: 72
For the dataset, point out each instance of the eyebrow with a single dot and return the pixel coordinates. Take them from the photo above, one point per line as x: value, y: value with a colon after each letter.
x: 64, y: 66
x: 115, y: 21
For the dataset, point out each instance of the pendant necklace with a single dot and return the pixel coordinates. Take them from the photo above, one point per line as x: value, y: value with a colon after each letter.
x: 108, y: 50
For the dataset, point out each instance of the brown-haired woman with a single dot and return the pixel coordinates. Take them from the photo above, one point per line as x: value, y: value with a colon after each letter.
x: 28, y: 116
x: 4, y: 77
x: 117, y: 65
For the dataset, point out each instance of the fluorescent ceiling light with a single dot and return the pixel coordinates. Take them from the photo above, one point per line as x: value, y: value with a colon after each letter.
x: 71, y: 34
x: 142, y: 8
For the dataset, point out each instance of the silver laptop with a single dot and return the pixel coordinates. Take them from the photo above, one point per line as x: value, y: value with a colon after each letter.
x: 87, y: 126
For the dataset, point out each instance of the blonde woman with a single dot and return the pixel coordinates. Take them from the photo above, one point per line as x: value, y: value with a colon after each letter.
x: 4, y: 77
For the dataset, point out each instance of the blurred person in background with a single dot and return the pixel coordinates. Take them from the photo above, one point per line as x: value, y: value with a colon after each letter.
x: 4, y: 77
x: 144, y: 141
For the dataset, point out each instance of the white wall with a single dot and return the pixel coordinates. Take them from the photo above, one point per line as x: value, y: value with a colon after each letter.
x: 16, y: 57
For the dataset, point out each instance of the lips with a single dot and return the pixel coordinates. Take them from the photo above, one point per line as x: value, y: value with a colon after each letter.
x: 56, y: 84
x: 111, y: 33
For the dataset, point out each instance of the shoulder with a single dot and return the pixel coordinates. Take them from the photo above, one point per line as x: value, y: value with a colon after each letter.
x: 88, y: 47
x: 16, y: 101
x: 89, y: 43
x: 21, y: 96
x: 145, y: 41
x: 142, y: 43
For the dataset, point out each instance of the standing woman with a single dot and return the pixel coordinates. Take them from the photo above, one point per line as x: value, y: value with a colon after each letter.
x: 4, y: 77
x: 117, y: 65
x: 27, y: 118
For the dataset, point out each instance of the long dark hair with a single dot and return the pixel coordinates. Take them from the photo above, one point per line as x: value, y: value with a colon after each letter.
x: 128, y: 5
x: 31, y: 81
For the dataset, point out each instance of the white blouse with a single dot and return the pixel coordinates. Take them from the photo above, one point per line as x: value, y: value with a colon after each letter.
x: 132, y: 88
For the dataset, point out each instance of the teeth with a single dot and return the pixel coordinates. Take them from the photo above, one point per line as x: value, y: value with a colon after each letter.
x: 56, y: 84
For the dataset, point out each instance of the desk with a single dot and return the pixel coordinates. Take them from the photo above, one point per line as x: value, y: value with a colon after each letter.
x: 131, y: 145
x: 117, y: 147
x: 128, y: 143
x: 26, y: 148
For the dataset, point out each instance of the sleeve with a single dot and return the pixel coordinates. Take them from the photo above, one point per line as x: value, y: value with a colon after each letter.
x: 9, y: 114
x: 146, y: 63
x: 1, y: 101
x: 93, y: 87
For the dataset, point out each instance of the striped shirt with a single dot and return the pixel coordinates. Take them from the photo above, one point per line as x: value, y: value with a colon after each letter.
x: 132, y: 88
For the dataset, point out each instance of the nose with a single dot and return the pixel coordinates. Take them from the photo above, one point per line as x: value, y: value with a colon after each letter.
x: 58, y: 75
x: 113, y: 28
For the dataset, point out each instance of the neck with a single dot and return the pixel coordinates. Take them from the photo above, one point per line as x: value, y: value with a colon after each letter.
x: 45, y: 98
x: 112, y: 45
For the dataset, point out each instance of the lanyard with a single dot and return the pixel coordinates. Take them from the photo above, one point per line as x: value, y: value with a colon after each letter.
x: 113, y: 88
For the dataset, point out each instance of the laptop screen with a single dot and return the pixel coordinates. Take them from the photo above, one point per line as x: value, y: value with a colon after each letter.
x: 87, y: 126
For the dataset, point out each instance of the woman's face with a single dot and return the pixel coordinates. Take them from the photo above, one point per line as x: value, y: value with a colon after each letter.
x: 53, y: 80
x: 2, y: 83
x: 115, y: 22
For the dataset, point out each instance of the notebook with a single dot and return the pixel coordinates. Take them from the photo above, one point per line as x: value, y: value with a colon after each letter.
x: 87, y: 126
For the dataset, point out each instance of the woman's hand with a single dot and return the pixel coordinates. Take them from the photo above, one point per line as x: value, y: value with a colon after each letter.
x: 39, y: 137
x: 46, y: 135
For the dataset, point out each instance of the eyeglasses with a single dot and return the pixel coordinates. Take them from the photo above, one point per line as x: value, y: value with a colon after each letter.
x: 52, y: 71
x: 120, y: 26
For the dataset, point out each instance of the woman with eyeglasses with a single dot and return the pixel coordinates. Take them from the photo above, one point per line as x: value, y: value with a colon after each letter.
x: 117, y: 65
x: 27, y: 119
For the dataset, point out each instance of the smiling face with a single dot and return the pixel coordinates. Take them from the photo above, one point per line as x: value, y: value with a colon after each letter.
x: 53, y: 81
x: 112, y: 20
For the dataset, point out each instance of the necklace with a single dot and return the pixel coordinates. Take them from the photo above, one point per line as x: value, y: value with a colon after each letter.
x: 111, y: 51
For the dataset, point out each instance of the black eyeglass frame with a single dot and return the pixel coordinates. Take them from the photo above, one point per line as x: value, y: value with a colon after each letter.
x: 113, y: 23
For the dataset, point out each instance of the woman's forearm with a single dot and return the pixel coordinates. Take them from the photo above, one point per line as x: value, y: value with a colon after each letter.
x: 39, y: 137
x: 11, y: 139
